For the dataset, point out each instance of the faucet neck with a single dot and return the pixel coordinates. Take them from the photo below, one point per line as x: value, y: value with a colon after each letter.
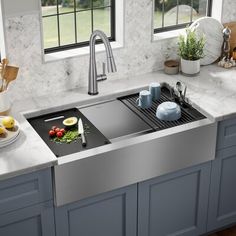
x: 93, y: 88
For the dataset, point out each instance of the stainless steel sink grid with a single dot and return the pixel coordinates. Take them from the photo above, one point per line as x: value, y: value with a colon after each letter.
x: 189, y: 114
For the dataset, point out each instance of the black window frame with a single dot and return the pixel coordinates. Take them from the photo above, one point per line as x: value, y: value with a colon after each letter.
x: 184, y: 25
x: 75, y: 11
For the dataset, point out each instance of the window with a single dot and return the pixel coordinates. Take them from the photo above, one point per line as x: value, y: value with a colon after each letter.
x: 176, y: 14
x: 68, y: 24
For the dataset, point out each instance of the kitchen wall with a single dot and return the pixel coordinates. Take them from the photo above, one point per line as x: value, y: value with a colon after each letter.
x: 138, y: 56
x: 228, y: 11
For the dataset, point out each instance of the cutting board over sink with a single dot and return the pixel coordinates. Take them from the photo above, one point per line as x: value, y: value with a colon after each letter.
x: 42, y: 125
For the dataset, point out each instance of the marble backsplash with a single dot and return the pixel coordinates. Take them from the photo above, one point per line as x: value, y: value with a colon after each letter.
x: 229, y: 11
x: 140, y: 55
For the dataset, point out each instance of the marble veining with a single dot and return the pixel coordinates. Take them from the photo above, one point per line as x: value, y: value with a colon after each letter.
x: 139, y: 55
x: 229, y: 11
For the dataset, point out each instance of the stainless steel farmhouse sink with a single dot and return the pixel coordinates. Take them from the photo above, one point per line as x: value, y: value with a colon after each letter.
x: 132, y: 145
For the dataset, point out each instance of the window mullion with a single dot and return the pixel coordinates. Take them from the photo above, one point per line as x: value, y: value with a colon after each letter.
x: 177, y: 13
x: 58, y: 25
x: 112, y: 17
x: 209, y: 7
x: 92, y: 18
x: 191, y: 15
x: 163, y: 13
x: 75, y: 19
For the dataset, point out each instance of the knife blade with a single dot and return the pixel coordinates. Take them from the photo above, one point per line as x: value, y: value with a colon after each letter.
x: 81, y: 132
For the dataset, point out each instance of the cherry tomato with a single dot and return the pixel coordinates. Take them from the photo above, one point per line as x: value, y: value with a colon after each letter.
x: 52, y: 133
x: 59, y: 134
x: 57, y: 130
x: 53, y: 127
x: 63, y: 131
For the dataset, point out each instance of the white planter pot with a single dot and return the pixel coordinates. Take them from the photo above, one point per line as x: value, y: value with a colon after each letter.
x: 190, y: 68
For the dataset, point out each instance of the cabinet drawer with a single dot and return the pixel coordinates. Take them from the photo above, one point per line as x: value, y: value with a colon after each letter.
x: 226, y: 134
x: 25, y: 190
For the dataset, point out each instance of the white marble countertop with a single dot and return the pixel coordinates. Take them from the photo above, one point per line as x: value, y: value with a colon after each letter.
x: 213, y: 92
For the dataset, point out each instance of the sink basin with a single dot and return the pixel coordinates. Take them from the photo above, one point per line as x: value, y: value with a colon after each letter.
x: 111, y: 121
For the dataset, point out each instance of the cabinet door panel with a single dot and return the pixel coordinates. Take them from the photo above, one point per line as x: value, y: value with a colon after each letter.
x: 37, y: 220
x: 226, y: 134
x: 175, y: 204
x: 222, y: 205
x: 25, y: 190
x: 109, y: 214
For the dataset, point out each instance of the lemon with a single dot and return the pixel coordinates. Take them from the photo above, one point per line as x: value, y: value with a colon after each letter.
x: 8, y: 122
x: 2, y: 130
x: 70, y: 121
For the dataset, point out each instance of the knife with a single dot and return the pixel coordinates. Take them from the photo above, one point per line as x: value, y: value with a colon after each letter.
x: 81, y: 132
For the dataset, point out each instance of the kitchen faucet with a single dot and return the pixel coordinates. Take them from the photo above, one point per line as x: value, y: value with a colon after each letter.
x: 93, y: 77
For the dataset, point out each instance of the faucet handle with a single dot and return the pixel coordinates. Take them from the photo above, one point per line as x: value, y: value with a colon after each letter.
x: 103, y: 68
x: 102, y: 76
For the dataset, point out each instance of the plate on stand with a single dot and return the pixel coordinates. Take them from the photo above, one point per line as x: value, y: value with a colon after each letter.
x: 10, y: 135
x: 212, y: 29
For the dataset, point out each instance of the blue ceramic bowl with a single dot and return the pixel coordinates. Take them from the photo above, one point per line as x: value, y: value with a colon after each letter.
x: 168, y: 111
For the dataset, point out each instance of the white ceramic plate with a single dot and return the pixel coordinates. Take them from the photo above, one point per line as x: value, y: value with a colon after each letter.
x: 9, y: 142
x: 212, y: 29
x: 11, y: 134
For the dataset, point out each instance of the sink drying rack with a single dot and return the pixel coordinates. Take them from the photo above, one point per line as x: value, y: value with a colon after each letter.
x: 188, y: 113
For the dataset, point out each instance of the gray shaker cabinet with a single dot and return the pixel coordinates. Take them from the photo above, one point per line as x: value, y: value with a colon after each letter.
x: 109, y: 214
x: 175, y: 204
x: 222, y: 204
x: 37, y: 220
x: 26, y: 206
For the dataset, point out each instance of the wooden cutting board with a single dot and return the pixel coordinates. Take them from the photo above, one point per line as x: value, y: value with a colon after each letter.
x: 232, y: 26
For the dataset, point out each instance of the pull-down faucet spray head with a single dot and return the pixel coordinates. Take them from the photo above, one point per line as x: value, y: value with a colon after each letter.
x: 111, y: 66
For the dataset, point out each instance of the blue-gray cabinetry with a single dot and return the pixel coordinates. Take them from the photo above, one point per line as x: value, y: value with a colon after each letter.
x: 36, y: 220
x: 222, y: 204
x: 26, y: 206
x: 175, y: 204
x: 110, y: 214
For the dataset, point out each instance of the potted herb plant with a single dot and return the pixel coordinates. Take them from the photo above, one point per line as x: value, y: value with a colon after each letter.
x: 191, y: 48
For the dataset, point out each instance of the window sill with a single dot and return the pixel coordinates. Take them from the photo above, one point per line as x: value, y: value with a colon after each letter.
x: 77, y: 52
x: 167, y: 35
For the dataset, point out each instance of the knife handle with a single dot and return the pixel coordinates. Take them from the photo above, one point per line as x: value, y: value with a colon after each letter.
x: 84, y: 143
